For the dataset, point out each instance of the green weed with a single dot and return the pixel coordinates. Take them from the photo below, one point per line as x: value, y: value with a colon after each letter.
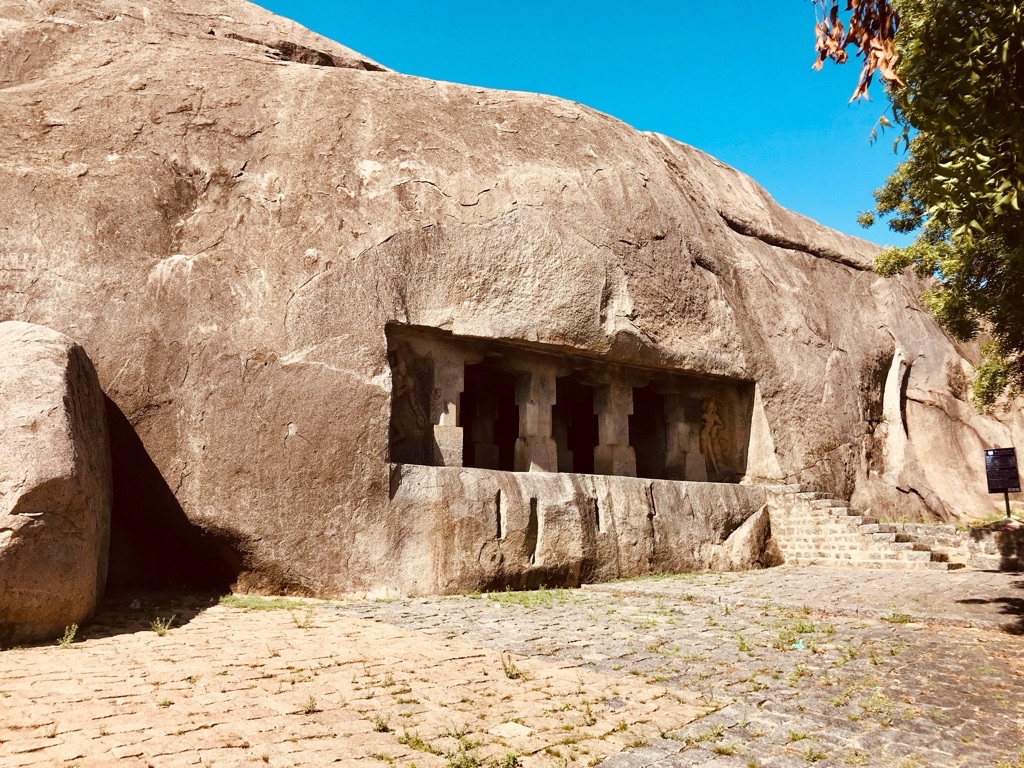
x: 257, y: 603
x: 160, y: 626
x: 69, y: 636
x: 414, y: 741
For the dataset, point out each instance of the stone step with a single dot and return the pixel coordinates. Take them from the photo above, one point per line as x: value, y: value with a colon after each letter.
x: 829, y: 523
x: 924, y: 557
x: 791, y: 488
x: 940, y: 529
x: 811, y: 495
x: 894, y: 565
x: 901, y: 546
x: 827, y: 502
x: 828, y: 530
x: 854, y: 525
x: 896, y: 538
x: 866, y: 528
x: 938, y: 566
x: 843, y: 512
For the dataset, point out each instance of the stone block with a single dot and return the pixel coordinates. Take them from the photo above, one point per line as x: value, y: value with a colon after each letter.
x: 55, y: 487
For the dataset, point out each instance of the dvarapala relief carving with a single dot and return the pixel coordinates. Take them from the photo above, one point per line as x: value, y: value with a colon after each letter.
x: 462, y: 402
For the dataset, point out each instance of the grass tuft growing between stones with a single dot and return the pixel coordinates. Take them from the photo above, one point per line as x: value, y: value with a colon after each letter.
x: 897, y: 618
x: 537, y: 598
x: 309, y: 707
x: 160, y: 626
x: 258, y: 603
x: 69, y: 636
x: 415, y: 741
x: 512, y: 672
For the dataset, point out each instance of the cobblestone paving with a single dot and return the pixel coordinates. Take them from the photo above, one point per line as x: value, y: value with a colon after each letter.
x: 798, y: 680
x: 786, y: 668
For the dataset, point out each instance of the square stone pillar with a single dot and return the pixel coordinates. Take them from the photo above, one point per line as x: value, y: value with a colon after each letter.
x: 485, y: 449
x: 677, y: 438
x: 449, y: 381
x: 683, y: 459
x: 536, y: 450
x: 613, y: 404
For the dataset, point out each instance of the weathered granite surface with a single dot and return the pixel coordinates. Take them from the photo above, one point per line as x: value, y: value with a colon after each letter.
x: 55, y: 487
x: 228, y: 210
x: 528, y: 530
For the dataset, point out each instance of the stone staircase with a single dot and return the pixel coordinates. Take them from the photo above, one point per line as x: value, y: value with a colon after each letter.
x: 814, y: 529
x: 998, y: 546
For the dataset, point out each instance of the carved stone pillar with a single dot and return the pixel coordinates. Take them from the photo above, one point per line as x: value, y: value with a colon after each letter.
x: 613, y: 404
x: 677, y: 438
x: 449, y: 381
x: 485, y: 449
x: 536, y: 450
x: 683, y: 459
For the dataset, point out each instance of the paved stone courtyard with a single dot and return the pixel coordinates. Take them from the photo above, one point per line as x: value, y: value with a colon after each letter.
x: 786, y: 668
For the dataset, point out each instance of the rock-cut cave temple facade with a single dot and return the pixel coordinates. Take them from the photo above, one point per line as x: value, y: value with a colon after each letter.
x: 365, y: 332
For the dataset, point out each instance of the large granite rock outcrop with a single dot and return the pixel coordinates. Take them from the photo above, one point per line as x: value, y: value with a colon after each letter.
x: 55, y: 488
x: 230, y: 212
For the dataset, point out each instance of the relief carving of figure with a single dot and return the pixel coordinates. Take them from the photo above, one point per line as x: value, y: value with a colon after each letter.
x: 711, y: 434
x: 408, y: 421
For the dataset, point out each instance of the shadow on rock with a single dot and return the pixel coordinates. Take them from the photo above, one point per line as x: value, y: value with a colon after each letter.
x: 153, y: 544
x: 122, y: 614
x: 1007, y: 538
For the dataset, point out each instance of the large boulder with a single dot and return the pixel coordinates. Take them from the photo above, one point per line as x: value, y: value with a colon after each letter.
x: 239, y: 219
x: 55, y: 490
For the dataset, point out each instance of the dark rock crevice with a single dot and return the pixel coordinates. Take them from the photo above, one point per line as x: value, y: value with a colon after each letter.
x: 778, y: 240
x: 286, y: 50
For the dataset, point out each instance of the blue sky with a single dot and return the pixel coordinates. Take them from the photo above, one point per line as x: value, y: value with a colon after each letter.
x: 727, y: 77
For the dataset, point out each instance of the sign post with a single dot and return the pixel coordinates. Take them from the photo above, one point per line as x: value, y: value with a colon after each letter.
x: 1001, y: 471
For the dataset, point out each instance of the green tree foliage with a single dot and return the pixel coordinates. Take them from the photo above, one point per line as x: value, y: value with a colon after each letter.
x: 954, y: 71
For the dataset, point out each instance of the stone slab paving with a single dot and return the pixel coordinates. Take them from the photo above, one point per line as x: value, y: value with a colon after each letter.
x: 785, y: 668
x: 987, y: 599
x: 308, y: 685
x: 806, y: 666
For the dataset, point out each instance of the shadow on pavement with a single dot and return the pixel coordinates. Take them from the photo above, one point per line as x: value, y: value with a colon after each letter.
x: 1009, y: 606
x: 123, y: 613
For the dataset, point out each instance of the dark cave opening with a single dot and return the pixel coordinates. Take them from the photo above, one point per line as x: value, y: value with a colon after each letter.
x: 574, y: 425
x: 489, y: 417
x: 648, y: 432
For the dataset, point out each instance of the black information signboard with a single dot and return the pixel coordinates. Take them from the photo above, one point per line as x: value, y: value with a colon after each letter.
x: 1001, y: 469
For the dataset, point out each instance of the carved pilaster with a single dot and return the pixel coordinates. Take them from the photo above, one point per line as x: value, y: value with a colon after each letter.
x: 613, y: 404
x: 536, y: 450
x: 449, y: 381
